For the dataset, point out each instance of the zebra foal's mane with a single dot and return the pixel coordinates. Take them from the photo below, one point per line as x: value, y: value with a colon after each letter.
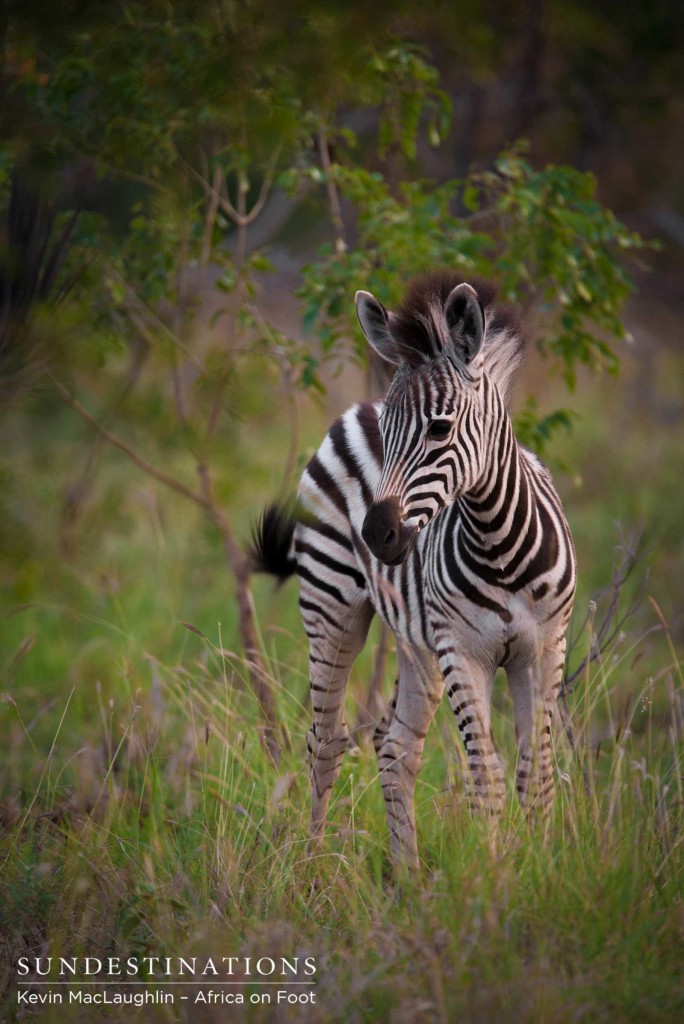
x: 419, y: 329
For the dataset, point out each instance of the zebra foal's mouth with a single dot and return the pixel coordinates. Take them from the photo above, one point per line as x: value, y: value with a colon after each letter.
x: 405, y: 552
x: 387, y: 537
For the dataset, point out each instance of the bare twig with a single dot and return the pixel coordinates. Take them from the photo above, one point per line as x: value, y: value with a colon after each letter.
x: 569, y: 728
x: 602, y: 637
x: 179, y: 320
x: 144, y: 318
x: 141, y: 179
x: 210, y: 218
x: 240, y: 215
x: 77, y: 491
x: 612, y: 621
x: 333, y: 194
x: 241, y: 224
x: 266, y: 185
x: 140, y: 462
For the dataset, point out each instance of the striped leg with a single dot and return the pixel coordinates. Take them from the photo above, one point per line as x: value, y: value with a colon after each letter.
x: 399, y: 747
x: 331, y: 657
x: 535, y: 693
x: 469, y: 688
x: 383, y: 725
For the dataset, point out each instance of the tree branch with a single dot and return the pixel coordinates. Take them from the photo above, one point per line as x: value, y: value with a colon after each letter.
x: 612, y: 622
x: 140, y: 462
x: 210, y: 219
x: 211, y: 191
x: 333, y: 194
x: 265, y: 189
x: 134, y: 307
x: 141, y: 179
x: 240, y: 216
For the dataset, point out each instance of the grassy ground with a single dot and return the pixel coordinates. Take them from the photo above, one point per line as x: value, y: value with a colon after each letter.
x: 140, y: 815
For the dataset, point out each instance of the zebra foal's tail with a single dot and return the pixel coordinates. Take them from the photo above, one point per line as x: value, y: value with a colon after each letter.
x: 271, y: 547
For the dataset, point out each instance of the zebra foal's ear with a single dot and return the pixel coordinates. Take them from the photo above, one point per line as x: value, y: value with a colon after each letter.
x: 465, y: 321
x: 375, y: 324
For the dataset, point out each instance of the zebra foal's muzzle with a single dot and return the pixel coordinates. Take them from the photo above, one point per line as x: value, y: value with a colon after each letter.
x: 388, y: 538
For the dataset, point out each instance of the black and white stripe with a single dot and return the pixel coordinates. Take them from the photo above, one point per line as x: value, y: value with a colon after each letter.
x: 425, y: 510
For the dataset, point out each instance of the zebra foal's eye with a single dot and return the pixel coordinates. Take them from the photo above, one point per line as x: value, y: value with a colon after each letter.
x: 439, y: 429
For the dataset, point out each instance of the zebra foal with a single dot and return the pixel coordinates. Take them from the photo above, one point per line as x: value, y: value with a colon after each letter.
x: 425, y: 510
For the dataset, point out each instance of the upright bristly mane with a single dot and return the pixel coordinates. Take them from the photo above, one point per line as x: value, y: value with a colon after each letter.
x: 419, y: 329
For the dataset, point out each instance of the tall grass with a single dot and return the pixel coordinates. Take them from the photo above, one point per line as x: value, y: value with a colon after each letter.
x: 161, y: 827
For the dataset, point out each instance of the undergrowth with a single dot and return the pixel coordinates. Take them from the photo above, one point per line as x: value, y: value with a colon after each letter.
x: 155, y: 824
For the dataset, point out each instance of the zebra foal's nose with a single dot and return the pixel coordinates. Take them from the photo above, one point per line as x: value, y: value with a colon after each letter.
x: 383, y: 531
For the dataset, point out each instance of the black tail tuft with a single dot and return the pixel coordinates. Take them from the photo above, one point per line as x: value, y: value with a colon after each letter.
x: 271, y: 543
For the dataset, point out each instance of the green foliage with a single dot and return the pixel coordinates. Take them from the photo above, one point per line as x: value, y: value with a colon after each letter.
x: 408, y: 94
x: 562, y: 252
x: 542, y: 234
x: 536, y: 431
x: 398, y: 235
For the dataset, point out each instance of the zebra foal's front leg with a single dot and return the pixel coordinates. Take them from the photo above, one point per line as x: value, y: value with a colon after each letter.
x: 332, y: 653
x: 469, y: 689
x: 399, y: 741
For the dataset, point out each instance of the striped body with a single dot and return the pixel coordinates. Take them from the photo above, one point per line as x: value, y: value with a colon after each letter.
x: 495, y: 598
x: 425, y: 510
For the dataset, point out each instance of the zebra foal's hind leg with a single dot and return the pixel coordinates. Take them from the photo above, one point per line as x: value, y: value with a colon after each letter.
x: 382, y: 728
x: 399, y: 741
x: 333, y: 649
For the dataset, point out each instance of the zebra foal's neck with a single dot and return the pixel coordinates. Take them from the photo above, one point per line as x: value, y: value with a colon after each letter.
x: 499, y: 505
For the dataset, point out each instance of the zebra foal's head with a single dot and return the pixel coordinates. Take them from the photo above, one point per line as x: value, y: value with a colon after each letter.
x: 433, y: 415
